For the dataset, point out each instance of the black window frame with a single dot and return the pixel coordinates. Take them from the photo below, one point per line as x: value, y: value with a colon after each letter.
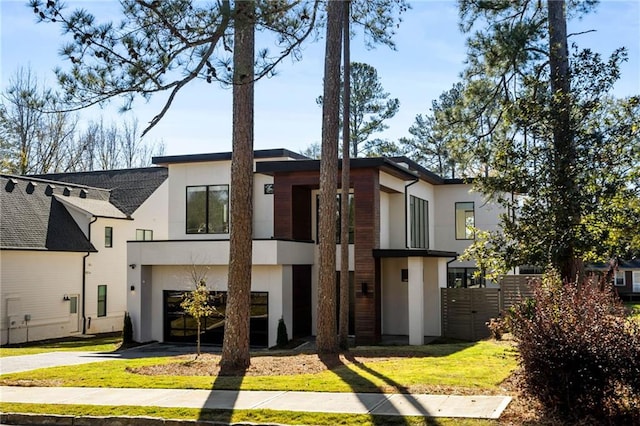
x: 207, y: 214
x: 418, y: 222
x: 108, y: 236
x: 468, y: 235
x: 102, y: 301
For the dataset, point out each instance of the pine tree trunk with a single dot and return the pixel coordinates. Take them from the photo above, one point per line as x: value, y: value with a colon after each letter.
x: 343, y: 327
x: 565, y: 204
x: 235, y: 349
x: 327, y: 341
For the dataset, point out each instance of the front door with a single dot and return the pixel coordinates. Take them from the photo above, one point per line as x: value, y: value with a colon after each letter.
x: 636, y: 281
x: 73, y: 313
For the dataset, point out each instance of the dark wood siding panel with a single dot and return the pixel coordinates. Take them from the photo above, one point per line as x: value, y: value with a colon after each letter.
x: 367, y: 237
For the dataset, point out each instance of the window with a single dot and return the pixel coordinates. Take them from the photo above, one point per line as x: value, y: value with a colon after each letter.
x: 179, y: 326
x: 144, y: 234
x: 102, y: 300
x: 108, y: 236
x: 618, y: 279
x: 465, y: 221
x: 208, y: 209
x: 338, y: 227
x: 464, y: 278
x: 419, y: 211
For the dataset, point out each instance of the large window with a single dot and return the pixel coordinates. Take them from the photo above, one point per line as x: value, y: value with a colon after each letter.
x: 144, y: 234
x: 419, y: 212
x: 179, y: 326
x: 108, y: 236
x: 464, y: 278
x: 102, y: 300
x: 465, y: 221
x: 208, y: 209
x: 338, y: 227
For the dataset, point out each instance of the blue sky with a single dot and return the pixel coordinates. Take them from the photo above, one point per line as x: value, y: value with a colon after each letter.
x: 429, y: 58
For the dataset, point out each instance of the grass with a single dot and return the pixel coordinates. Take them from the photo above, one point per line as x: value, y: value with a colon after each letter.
x: 107, y: 343
x: 481, y: 366
x: 634, y: 307
x: 237, y: 416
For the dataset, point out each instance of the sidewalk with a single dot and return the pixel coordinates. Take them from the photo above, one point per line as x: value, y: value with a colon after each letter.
x: 483, y: 407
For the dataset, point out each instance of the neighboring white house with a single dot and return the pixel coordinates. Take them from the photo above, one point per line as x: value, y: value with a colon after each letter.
x: 63, y: 248
x: 408, y: 226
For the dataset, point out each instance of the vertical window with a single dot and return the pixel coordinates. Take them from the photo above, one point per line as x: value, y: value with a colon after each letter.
x: 108, y: 236
x: 419, y: 219
x: 352, y: 215
x: 144, y: 234
x: 618, y: 279
x: 208, y: 209
x: 465, y: 221
x: 102, y: 300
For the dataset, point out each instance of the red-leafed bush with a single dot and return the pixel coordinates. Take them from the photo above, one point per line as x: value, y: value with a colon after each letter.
x: 579, y: 352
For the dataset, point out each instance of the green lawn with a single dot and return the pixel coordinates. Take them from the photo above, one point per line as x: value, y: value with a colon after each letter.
x: 634, y: 307
x: 481, y: 366
x: 477, y: 367
x: 100, y: 344
x: 240, y: 416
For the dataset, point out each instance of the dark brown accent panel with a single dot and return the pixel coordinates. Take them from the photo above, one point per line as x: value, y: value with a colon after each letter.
x: 366, y: 186
x: 301, y: 219
x: 301, y: 281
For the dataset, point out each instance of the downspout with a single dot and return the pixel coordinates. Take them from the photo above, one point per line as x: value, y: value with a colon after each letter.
x: 406, y: 211
x: 84, y: 278
x: 449, y: 263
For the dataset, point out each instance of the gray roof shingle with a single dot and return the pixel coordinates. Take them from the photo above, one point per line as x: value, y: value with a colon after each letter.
x: 32, y: 219
x: 129, y: 188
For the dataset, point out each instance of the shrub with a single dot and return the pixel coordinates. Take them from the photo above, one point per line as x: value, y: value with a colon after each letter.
x: 283, y: 338
x: 127, y: 329
x: 578, y: 351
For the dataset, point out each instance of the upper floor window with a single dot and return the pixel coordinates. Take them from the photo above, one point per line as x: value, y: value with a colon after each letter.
x: 338, y: 226
x: 144, y: 234
x: 208, y: 209
x: 465, y: 221
x: 419, y: 219
x: 108, y: 236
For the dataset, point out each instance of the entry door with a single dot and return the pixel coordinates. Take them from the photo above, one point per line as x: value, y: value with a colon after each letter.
x: 73, y: 313
x: 636, y: 281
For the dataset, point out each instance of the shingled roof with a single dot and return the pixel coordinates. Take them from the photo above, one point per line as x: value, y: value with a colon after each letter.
x: 129, y: 188
x: 31, y: 218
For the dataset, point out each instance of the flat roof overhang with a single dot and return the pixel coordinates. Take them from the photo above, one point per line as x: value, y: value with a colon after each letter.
x: 381, y: 253
x: 273, y: 167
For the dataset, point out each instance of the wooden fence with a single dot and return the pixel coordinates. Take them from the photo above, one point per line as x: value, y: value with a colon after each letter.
x: 465, y: 311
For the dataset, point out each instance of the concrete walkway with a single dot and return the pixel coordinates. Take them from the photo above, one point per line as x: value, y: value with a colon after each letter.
x: 483, y: 407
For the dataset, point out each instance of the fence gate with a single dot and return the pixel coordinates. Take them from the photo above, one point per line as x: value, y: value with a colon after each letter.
x: 465, y: 311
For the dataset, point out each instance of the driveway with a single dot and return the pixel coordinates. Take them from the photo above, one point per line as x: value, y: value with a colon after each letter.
x: 17, y: 364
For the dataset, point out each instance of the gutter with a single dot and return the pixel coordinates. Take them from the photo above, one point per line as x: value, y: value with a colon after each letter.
x: 84, y: 279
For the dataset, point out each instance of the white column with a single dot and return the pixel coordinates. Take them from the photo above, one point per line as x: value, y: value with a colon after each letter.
x: 416, y: 300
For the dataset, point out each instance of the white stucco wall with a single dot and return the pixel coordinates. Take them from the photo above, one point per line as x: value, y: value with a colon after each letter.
x: 276, y: 280
x: 486, y: 217
x: 34, y: 283
x: 396, y: 299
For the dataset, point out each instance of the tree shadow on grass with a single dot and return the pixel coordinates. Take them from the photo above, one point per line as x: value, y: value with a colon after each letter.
x: 218, y: 403
x: 359, y: 383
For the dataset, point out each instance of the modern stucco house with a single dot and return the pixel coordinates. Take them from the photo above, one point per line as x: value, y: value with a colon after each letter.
x: 63, y: 248
x: 408, y: 226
